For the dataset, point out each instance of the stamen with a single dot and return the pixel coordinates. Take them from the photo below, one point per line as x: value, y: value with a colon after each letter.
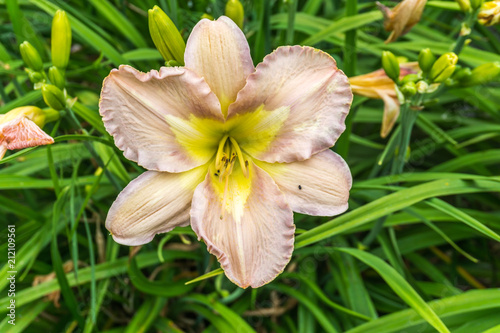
x: 243, y: 163
x: 220, y: 151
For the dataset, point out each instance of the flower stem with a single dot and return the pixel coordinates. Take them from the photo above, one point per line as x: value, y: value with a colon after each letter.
x: 408, y: 118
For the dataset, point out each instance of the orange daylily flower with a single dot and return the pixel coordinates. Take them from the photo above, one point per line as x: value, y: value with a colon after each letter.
x: 378, y: 85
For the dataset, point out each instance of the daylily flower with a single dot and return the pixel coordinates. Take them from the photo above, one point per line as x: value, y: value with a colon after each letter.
x: 20, y: 128
x: 401, y: 18
x: 378, y: 85
x: 230, y: 148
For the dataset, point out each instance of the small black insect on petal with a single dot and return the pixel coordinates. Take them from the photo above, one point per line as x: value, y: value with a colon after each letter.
x: 300, y: 187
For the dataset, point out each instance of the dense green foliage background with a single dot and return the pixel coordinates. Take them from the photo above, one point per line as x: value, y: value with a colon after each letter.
x: 414, y: 251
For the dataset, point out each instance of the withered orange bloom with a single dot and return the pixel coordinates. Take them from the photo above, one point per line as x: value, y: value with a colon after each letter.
x: 230, y: 148
x: 401, y: 18
x: 378, y: 85
x: 20, y: 128
x: 489, y: 13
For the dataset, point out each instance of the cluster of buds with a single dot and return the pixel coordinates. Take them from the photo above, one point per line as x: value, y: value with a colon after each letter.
x: 432, y: 72
x: 53, y: 84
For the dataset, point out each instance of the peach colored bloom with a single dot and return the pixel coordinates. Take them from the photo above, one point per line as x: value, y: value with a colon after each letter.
x: 378, y: 85
x: 230, y: 149
x: 401, y: 18
x: 19, y: 128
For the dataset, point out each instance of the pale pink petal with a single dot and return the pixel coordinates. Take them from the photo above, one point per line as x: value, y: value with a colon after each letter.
x: 135, y: 107
x: 21, y: 133
x: 306, y: 85
x: 219, y: 52
x: 153, y: 203
x: 317, y: 186
x: 391, y: 112
x: 252, y: 233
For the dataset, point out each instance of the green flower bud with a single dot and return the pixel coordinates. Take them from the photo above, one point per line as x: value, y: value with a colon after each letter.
x: 444, y: 67
x: 61, y: 40
x: 390, y: 65
x: 410, y: 78
x: 30, y: 56
x: 409, y: 89
x: 425, y: 60
x: 462, y: 74
x: 53, y: 97
x: 482, y: 74
x: 464, y: 5
x: 34, y: 76
x: 234, y: 10
x: 56, y: 77
x: 165, y: 35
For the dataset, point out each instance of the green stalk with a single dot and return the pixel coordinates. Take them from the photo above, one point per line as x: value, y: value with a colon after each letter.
x: 292, y: 8
x: 470, y: 21
x: 349, y: 57
x: 408, y: 118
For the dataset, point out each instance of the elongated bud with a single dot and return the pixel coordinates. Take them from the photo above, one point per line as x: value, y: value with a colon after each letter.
x: 425, y: 60
x: 234, y: 10
x: 165, y: 35
x: 464, y: 5
x: 38, y: 116
x: 482, y: 74
x: 444, y: 67
x: 61, y: 40
x: 31, y: 112
x: 489, y: 13
x: 31, y: 56
x: 390, y: 65
x: 56, y: 77
x: 53, y: 97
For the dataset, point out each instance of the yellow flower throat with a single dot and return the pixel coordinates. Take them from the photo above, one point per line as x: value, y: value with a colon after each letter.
x: 227, y: 153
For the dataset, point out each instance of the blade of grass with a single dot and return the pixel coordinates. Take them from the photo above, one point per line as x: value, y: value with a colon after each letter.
x: 400, y: 287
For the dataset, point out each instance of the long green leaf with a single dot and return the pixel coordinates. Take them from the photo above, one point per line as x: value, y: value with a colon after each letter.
x: 402, y: 288
x: 392, y: 203
x: 468, y: 302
